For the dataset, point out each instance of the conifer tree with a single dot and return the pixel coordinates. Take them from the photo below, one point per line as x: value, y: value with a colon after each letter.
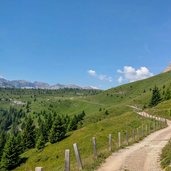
x: 73, y: 123
x: 167, y: 94
x: 40, y: 144
x: 48, y: 122
x: 20, y: 143
x: 2, y: 142
x: 29, y: 134
x: 10, y: 158
x: 57, y: 131
x: 156, y: 97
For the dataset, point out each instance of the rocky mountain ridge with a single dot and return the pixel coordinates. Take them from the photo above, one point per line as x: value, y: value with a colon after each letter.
x: 168, y: 68
x: 4, y: 83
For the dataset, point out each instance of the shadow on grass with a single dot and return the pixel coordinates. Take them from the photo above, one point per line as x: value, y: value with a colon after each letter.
x: 23, y: 160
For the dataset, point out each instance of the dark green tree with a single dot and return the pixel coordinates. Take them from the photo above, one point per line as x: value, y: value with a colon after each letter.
x: 73, y: 123
x: 29, y: 134
x: 47, y: 125
x: 40, y: 144
x: 167, y: 94
x: 2, y: 142
x: 76, y: 120
x: 20, y: 143
x: 10, y: 158
x: 106, y: 112
x: 57, y: 131
x: 156, y: 97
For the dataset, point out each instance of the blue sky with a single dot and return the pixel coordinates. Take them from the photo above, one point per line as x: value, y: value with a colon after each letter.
x: 91, y: 42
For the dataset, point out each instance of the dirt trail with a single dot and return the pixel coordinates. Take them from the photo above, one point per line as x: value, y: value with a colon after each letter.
x: 142, y: 156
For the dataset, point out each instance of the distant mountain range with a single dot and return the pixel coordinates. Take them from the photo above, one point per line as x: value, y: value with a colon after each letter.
x: 4, y: 83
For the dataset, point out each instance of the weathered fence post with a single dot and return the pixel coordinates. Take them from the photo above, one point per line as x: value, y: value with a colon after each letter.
x: 67, y: 160
x: 94, y: 147
x: 157, y: 125
x: 119, y: 139
x: 142, y: 133
x: 78, y: 158
x: 149, y: 128
x: 154, y: 125
x: 127, y: 138
x: 146, y: 130
x: 165, y: 122
x: 39, y: 169
x: 160, y: 124
x: 110, y: 142
x: 138, y: 134
x: 133, y: 135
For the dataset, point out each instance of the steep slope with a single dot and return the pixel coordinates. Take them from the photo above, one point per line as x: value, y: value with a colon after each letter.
x: 137, y: 93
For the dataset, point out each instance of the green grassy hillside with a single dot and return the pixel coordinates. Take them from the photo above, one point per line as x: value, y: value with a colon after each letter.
x: 134, y: 93
x: 107, y: 112
x: 52, y: 157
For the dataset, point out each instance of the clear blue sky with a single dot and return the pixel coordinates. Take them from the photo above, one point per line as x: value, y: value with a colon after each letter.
x: 85, y: 42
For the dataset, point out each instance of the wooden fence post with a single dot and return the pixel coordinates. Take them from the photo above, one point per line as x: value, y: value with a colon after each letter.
x: 67, y: 160
x: 110, y: 142
x: 142, y: 133
x: 138, y: 137
x: 78, y: 158
x: 154, y: 125
x: 157, y: 125
x: 94, y: 147
x: 133, y: 135
x: 160, y: 124
x: 119, y: 139
x: 149, y: 130
x: 39, y: 169
x: 127, y: 138
x: 146, y: 130
x: 165, y: 122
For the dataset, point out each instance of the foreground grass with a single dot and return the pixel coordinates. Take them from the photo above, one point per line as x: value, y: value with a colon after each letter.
x: 52, y: 157
x: 166, y: 156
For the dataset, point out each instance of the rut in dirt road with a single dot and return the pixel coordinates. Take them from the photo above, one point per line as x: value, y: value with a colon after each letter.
x: 142, y: 156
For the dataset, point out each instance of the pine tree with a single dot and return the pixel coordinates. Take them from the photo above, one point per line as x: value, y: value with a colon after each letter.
x: 73, y: 123
x: 57, y: 131
x: 2, y: 142
x: 42, y: 130
x: 20, y: 143
x: 48, y: 124
x: 29, y: 134
x: 40, y: 144
x: 10, y: 158
x: 167, y: 95
x: 66, y: 122
x: 156, y: 97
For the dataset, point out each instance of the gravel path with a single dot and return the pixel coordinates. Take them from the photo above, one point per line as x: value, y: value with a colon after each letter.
x: 142, y: 156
